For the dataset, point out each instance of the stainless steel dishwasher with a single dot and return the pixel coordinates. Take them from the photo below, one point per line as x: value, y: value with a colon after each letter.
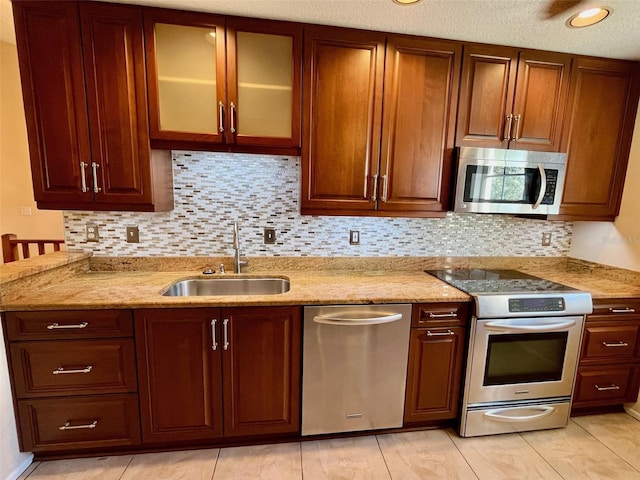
x: 354, y: 367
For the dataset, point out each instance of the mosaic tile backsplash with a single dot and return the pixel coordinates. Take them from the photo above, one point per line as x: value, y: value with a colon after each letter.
x: 214, y: 189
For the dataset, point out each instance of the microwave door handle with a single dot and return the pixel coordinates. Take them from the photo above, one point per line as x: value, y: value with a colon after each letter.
x: 543, y: 186
x: 549, y: 327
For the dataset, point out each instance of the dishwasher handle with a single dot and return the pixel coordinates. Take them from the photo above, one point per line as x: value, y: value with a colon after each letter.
x: 346, y: 321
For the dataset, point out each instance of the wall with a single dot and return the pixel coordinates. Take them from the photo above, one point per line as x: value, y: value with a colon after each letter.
x: 214, y: 189
x: 616, y: 243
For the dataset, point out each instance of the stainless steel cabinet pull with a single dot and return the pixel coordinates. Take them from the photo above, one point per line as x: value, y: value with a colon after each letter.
x: 56, y: 326
x: 221, y: 116
x: 443, y: 315
x: 233, y: 117
x: 617, y: 344
x: 622, y: 310
x: 507, y: 128
x: 61, y: 370
x: 385, y: 187
x: 68, y: 426
x: 448, y: 333
x: 214, y: 344
x: 94, y: 168
x: 604, y: 389
x: 543, y: 186
x: 83, y: 178
x: 517, y: 135
x: 374, y: 197
x: 225, y: 328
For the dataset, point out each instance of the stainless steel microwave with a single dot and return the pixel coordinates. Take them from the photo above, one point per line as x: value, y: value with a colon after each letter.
x: 491, y: 180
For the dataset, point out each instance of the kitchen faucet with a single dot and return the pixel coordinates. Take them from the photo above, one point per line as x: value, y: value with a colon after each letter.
x: 237, y: 263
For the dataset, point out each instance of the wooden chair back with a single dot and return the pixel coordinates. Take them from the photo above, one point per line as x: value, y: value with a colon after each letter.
x: 12, y: 247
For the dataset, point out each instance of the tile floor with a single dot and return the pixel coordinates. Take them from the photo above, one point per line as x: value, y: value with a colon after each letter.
x: 593, y: 447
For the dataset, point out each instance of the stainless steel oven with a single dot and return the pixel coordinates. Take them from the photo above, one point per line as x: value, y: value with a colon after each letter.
x: 523, y: 350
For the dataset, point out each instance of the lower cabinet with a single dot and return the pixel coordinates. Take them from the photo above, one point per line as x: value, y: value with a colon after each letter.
x: 209, y: 372
x: 436, y: 353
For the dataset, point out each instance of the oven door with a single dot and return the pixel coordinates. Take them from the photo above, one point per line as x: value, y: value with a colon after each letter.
x: 523, y: 358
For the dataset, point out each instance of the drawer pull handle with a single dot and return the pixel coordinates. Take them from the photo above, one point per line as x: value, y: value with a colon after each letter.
x: 622, y: 310
x: 605, y: 389
x: 617, y: 344
x: 68, y: 426
x: 61, y: 370
x: 443, y: 315
x: 57, y: 326
x: 448, y: 333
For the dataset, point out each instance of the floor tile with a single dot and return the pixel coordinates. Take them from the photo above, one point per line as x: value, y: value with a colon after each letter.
x: 357, y: 458
x: 28, y: 471
x: 501, y: 457
x: 423, y: 455
x: 260, y: 462
x: 575, y: 454
x: 183, y: 465
x: 98, y: 468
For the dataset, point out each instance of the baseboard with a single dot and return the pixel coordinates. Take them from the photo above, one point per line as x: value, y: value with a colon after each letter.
x: 634, y: 413
x: 20, y: 469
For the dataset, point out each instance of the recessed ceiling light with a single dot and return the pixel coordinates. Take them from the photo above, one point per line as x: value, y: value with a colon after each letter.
x: 405, y: 2
x: 589, y: 17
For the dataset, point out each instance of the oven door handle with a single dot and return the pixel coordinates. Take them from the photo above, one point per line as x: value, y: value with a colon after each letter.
x: 548, y: 327
x: 497, y: 414
x: 331, y: 320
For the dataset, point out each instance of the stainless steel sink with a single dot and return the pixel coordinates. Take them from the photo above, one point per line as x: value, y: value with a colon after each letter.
x: 228, y: 286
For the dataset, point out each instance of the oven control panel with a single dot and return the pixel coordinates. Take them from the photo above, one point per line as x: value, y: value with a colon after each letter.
x: 536, y: 304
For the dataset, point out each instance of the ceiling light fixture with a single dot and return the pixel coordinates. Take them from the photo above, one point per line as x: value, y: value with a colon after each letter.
x: 589, y: 17
x: 405, y: 2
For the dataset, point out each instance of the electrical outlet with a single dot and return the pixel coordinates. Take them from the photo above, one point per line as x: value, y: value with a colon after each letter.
x: 269, y: 236
x: 546, y: 239
x: 354, y: 237
x: 133, y: 235
x: 92, y: 232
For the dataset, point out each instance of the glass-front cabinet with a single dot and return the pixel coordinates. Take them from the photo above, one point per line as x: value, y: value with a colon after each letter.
x: 217, y: 80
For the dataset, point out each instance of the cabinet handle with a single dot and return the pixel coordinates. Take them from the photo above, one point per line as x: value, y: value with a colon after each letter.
x: 214, y: 344
x: 233, y: 118
x: 374, y: 197
x: 622, y: 310
x: 443, y: 315
x: 507, y: 128
x: 605, y: 389
x: 94, y: 168
x: 516, y: 137
x: 225, y: 328
x: 617, y: 344
x: 385, y: 186
x: 61, y: 370
x: 68, y: 426
x: 448, y: 333
x: 56, y: 326
x: 83, y: 178
x: 221, y: 117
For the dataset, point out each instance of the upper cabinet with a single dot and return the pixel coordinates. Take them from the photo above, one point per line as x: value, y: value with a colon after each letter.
x: 359, y: 158
x: 512, y: 99
x: 222, y: 83
x: 82, y: 70
x: 597, y: 137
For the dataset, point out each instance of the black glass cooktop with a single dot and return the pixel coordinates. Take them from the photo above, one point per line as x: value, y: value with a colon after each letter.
x: 480, y: 281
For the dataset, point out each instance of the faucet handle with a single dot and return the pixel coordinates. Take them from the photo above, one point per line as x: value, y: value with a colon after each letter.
x: 222, y: 268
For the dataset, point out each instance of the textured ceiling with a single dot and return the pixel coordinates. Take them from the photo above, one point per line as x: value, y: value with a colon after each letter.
x: 505, y: 22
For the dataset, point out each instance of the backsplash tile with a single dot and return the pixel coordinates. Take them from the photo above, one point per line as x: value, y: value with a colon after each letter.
x: 214, y: 189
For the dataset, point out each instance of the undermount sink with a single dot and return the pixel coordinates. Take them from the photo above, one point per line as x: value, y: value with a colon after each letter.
x: 228, y: 286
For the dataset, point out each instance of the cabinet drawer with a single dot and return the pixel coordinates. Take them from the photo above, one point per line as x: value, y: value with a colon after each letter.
x: 606, y: 386
x: 69, y: 324
x: 610, y: 341
x: 78, y: 422
x: 618, y: 307
x: 73, y: 367
x: 440, y: 314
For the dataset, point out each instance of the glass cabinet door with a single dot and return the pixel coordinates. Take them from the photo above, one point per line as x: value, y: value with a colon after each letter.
x: 263, y: 81
x: 186, y: 75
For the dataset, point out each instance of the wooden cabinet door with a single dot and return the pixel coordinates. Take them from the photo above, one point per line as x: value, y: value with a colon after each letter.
x: 264, y: 65
x: 421, y: 88
x: 540, y: 101
x: 343, y: 76
x: 261, y: 365
x: 487, y: 87
x: 50, y: 57
x: 603, y: 101
x: 179, y: 374
x: 434, y: 374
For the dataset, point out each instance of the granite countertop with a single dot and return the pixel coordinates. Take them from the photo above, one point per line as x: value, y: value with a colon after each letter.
x: 75, y: 281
